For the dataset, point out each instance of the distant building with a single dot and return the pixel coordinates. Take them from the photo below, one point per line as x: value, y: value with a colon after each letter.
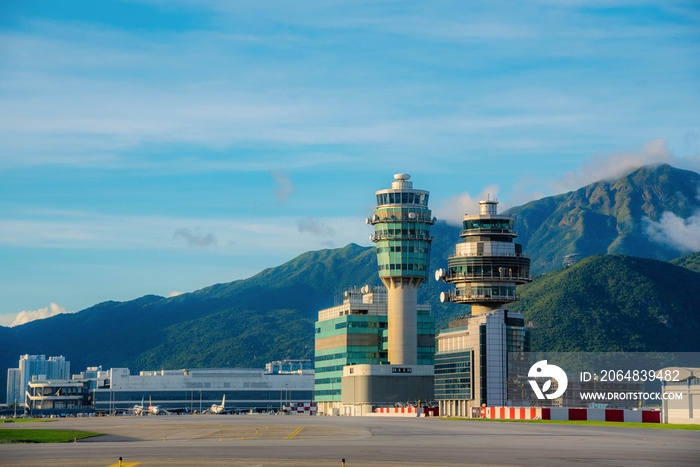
x: 90, y: 372
x: 471, y: 361
x: 289, y: 366
x: 60, y: 396
x: 183, y: 390
x: 33, y: 368
x: 198, y: 389
x: 15, y: 394
x: 686, y: 409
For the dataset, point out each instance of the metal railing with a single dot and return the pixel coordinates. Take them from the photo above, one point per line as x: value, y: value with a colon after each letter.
x: 452, y: 297
x: 468, y: 232
x: 486, y: 277
x: 376, y: 237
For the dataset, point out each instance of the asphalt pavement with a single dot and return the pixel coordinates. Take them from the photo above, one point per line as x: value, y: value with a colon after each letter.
x: 302, y: 440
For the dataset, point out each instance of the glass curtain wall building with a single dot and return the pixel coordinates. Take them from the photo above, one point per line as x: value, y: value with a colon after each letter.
x: 351, y: 333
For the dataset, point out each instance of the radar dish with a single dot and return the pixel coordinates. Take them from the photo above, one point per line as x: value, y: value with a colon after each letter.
x: 402, y: 176
x: 443, y: 297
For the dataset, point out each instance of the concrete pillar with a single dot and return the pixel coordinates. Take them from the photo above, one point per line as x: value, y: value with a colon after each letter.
x: 402, y: 321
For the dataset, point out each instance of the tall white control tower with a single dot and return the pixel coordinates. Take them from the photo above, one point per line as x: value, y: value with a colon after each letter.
x: 402, y: 223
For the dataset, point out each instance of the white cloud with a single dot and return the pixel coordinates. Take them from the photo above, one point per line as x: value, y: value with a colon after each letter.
x: 285, y: 188
x: 606, y: 166
x: 24, y: 317
x: 683, y: 234
x: 314, y: 226
x: 616, y: 164
x: 195, y: 237
x: 109, y: 232
x: 456, y: 207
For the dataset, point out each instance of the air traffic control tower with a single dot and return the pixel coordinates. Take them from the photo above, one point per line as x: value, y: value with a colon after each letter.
x: 488, y: 265
x: 402, y: 223
x: 471, y: 359
x: 377, y: 348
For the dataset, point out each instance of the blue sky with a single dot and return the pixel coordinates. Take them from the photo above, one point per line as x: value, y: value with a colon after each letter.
x: 164, y: 146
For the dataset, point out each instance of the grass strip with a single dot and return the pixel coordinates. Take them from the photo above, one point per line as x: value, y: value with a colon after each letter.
x: 33, y: 435
x: 657, y: 426
x: 27, y: 420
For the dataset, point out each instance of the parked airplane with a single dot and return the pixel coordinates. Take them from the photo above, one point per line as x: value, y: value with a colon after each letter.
x: 150, y: 410
x: 215, y: 408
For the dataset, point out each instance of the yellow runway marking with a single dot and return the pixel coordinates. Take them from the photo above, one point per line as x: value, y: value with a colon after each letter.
x: 125, y: 464
x: 294, y: 433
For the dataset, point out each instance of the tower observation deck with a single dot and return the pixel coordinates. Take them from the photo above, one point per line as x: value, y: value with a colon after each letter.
x: 488, y: 264
x: 402, y: 223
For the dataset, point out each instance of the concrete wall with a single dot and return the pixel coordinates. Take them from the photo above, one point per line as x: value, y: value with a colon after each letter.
x: 375, y: 389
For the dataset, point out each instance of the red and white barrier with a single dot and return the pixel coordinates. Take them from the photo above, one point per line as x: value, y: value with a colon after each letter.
x: 408, y: 411
x: 302, y: 408
x: 564, y: 413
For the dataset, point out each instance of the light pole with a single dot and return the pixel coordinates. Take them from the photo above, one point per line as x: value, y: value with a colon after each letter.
x: 200, y: 401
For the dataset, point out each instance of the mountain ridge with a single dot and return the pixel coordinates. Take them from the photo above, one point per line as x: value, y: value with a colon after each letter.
x: 607, y: 217
x: 270, y: 315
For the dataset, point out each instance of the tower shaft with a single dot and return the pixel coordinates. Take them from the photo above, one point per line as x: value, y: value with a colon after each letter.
x: 402, y: 328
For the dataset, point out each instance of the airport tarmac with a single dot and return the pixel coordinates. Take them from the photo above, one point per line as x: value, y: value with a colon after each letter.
x: 298, y: 440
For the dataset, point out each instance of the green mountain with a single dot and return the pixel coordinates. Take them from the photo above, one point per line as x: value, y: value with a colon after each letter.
x: 244, y: 323
x: 270, y: 316
x: 614, y: 303
x: 607, y: 217
x: 691, y: 262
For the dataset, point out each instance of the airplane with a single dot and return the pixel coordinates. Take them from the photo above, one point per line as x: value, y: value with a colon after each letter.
x: 217, y: 409
x: 150, y: 410
x: 137, y: 409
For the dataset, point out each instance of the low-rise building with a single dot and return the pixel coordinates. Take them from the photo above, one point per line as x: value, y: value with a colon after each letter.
x: 686, y: 382
x: 59, y: 396
x: 198, y: 389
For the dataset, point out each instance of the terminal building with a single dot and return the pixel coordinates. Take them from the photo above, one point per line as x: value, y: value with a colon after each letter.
x: 376, y: 349
x: 471, y: 360
x: 187, y: 390
x: 198, y: 389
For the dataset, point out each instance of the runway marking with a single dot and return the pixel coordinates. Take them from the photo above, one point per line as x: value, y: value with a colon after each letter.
x: 294, y: 433
x: 124, y: 464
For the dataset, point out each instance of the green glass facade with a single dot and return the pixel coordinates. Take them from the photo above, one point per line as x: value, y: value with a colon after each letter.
x: 329, y: 362
x: 453, y: 375
x: 402, y: 235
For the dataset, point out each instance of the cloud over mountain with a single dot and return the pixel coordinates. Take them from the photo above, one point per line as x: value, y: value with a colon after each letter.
x: 24, y: 317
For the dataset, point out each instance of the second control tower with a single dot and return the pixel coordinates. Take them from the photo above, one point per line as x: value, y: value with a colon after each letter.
x: 402, y: 223
x: 488, y: 265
